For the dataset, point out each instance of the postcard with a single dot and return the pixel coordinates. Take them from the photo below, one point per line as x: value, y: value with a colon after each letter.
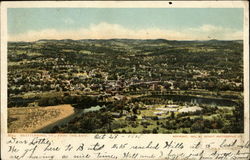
x: 125, y: 80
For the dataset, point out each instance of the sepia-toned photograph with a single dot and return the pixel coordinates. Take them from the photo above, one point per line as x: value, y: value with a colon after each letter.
x: 125, y: 70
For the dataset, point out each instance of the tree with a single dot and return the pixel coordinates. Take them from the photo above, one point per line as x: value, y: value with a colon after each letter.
x: 172, y: 115
x: 135, y: 109
x: 155, y: 130
x: 198, y: 127
x: 106, y: 119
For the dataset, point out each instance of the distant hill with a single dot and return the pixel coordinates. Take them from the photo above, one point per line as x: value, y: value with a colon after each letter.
x: 46, y: 40
x: 151, y: 41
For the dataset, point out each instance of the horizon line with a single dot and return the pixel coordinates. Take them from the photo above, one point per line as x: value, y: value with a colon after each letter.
x: 126, y: 39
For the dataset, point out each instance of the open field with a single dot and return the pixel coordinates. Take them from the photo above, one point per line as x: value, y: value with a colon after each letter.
x: 30, y: 119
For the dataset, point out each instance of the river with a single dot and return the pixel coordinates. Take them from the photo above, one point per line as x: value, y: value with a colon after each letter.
x: 194, y: 99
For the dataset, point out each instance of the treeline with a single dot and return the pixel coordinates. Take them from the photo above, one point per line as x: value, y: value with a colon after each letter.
x: 77, y: 101
x: 163, y: 99
x: 92, y: 122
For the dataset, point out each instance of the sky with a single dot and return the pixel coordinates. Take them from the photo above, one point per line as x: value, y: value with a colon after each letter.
x: 31, y: 24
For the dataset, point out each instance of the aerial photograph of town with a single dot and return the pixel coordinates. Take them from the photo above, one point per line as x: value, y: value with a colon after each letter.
x: 125, y: 70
